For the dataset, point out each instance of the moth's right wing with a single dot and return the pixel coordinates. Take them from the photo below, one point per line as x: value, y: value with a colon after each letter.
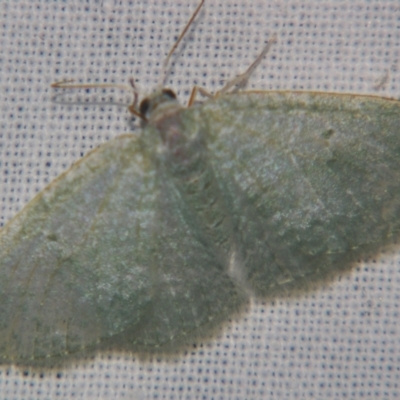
x: 314, y: 179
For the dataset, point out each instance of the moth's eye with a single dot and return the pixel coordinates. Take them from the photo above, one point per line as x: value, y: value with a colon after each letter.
x: 169, y: 93
x: 144, y: 106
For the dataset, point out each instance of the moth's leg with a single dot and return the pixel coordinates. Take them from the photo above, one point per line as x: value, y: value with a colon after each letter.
x: 241, y: 80
x: 195, y: 91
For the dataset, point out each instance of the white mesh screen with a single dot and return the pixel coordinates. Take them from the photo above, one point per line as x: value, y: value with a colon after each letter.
x: 342, y: 341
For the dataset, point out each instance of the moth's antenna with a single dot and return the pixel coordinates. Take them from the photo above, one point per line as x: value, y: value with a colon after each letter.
x: 176, y: 44
x: 71, y: 84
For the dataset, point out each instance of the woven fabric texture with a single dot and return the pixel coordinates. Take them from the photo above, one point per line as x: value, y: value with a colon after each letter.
x: 342, y: 341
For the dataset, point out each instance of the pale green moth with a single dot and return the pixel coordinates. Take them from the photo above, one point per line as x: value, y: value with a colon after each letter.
x: 149, y: 242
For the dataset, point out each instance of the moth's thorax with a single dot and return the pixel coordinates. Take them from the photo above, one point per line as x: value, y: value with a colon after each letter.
x: 163, y: 111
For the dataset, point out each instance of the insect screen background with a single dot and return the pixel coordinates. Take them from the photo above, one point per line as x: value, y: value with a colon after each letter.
x: 342, y: 341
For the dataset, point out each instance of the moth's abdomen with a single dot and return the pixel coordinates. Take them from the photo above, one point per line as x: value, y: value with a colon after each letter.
x: 207, y: 207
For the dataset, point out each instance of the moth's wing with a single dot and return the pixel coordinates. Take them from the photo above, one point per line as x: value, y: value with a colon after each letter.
x: 66, y: 280
x: 192, y: 292
x: 85, y: 262
x: 314, y: 179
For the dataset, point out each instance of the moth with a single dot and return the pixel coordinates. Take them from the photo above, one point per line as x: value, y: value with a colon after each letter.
x: 153, y: 240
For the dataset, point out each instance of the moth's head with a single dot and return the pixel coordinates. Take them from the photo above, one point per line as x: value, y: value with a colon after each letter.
x: 160, y: 102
